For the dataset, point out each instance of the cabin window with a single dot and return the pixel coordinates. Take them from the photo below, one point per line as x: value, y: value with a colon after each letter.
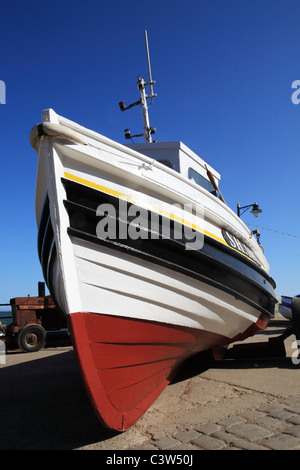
x: 199, y: 179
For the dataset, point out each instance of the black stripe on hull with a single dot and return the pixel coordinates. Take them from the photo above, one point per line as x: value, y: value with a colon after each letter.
x: 46, y: 244
x: 215, y: 264
x: 47, y: 247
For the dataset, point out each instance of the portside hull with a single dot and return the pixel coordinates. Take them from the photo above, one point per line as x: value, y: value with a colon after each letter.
x: 214, y: 266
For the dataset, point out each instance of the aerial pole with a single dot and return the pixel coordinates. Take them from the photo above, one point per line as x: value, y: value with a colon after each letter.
x: 151, y: 82
x: 141, y: 84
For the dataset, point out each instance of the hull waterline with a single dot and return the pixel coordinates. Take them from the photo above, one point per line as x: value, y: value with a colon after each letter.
x: 126, y: 363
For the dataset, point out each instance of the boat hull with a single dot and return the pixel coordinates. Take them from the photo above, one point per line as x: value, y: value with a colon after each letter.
x: 138, y: 306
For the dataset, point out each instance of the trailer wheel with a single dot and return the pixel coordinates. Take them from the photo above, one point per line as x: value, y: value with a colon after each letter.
x: 31, y: 338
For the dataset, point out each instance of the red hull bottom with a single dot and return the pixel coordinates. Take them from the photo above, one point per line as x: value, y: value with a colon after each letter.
x: 126, y: 363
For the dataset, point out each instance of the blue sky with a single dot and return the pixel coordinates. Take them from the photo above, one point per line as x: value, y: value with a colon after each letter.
x: 224, y: 71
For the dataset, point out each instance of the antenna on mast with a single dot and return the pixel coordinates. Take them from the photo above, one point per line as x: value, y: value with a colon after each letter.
x: 151, y: 82
x: 141, y: 84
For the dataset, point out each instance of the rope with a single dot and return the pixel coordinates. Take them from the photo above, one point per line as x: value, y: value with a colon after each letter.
x: 275, y: 231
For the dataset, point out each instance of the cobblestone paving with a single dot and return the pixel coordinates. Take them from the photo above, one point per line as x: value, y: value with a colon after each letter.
x: 274, y: 426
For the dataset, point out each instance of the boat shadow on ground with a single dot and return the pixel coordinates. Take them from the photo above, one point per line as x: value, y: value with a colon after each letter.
x: 261, y: 354
x: 44, y: 406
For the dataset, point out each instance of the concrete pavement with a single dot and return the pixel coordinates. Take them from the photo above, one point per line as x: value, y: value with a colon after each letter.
x: 251, y: 403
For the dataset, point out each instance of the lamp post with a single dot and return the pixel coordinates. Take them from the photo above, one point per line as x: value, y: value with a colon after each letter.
x: 255, y: 209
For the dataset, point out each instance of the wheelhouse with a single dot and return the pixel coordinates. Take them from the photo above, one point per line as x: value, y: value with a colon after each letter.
x: 182, y: 159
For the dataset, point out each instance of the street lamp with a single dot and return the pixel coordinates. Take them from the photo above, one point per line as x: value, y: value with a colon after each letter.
x: 255, y: 209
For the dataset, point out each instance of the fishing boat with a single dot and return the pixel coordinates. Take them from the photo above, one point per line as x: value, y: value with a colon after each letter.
x: 141, y: 252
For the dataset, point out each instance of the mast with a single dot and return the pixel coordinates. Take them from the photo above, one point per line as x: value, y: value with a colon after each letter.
x: 141, y: 84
